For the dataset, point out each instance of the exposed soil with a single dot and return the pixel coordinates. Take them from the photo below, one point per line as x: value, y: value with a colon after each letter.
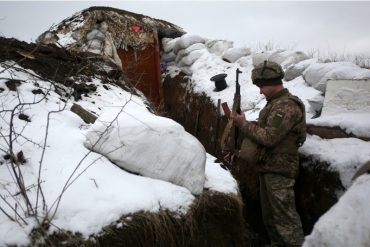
x: 57, y: 64
x: 317, y: 190
x: 195, y: 112
x: 214, y: 220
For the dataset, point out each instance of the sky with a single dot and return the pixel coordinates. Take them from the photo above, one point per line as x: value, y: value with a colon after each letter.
x: 333, y: 28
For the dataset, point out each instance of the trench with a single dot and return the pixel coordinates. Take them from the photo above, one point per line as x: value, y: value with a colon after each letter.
x: 215, y: 220
x: 316, y: 187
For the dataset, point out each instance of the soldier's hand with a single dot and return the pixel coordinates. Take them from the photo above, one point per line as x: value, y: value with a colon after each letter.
x: 227, y: 156
x: 239, y: 119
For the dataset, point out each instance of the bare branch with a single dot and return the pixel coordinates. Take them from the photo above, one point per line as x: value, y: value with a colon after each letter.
x: 69, y: 180
x: 13, y: 209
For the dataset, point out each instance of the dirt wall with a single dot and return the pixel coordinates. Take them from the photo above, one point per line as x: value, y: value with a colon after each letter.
x: 195, y: 112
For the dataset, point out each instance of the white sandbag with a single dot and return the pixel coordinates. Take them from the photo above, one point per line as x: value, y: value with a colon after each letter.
x: 185, y: 52
x: 295, y: 70
x: 168, y: 44
x: 191, y: 58
x: 168, y: 57
x: 260, y: 57
x: 244, y: 62
x: 218, y: 47
x: 317, y: 74
x: 233, y: 54
x: 149, y: 145
x: 187, y: 40
x: 296, y: 57
x: 280, y: 56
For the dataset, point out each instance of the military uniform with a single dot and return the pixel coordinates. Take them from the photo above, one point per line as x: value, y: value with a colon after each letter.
x: 280, y: 130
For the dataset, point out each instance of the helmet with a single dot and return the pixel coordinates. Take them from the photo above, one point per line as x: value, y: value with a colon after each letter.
x: 267, y: 73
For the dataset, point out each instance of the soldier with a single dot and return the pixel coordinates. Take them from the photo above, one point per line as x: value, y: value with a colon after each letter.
x: 280, y: 130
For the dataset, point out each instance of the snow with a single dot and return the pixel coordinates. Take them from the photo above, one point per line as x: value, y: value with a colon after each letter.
x: 344, y: 155
x: 88, y: 178
x: 355, y: 123
x: 217, y: 178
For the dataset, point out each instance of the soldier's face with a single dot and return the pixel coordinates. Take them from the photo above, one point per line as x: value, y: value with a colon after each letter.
x: 268, y: 91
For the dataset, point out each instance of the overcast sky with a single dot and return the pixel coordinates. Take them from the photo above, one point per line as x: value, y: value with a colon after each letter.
x: 329, y: 27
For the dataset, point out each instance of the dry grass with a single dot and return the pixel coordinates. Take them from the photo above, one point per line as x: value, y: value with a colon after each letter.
x: 215, y: 219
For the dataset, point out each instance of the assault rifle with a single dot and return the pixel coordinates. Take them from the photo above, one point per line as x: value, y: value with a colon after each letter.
x: 229, y: 139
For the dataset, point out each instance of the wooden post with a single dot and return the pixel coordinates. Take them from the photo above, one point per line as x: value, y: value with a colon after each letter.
x: 217, y: 126
x: 84, y: 114
x: 196, y: 124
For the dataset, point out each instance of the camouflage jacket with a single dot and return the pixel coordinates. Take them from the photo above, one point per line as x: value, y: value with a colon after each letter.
x: 280, y: 130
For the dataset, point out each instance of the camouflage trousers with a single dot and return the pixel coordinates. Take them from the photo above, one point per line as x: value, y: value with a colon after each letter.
x: 280, y: 217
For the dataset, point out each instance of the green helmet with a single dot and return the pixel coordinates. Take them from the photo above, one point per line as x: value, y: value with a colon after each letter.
x: 267, y: 73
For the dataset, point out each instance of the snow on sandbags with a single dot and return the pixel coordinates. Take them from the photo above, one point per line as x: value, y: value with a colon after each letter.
x: 286, y: 58
x: 258, y: 58
x: 191, y: 58
x: 168, y: 55
x: 233, y: 54
x: 295, y: 70
x: 294, y: 58
x: 187, y: 40
x: 168, y: 44
x: 350, y: 218
x: 244, y: 62
x: 218, y: 47
x: 186, y: 52
x: 317, y: 74
x: 152, y: 146
x: 188, y: 48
